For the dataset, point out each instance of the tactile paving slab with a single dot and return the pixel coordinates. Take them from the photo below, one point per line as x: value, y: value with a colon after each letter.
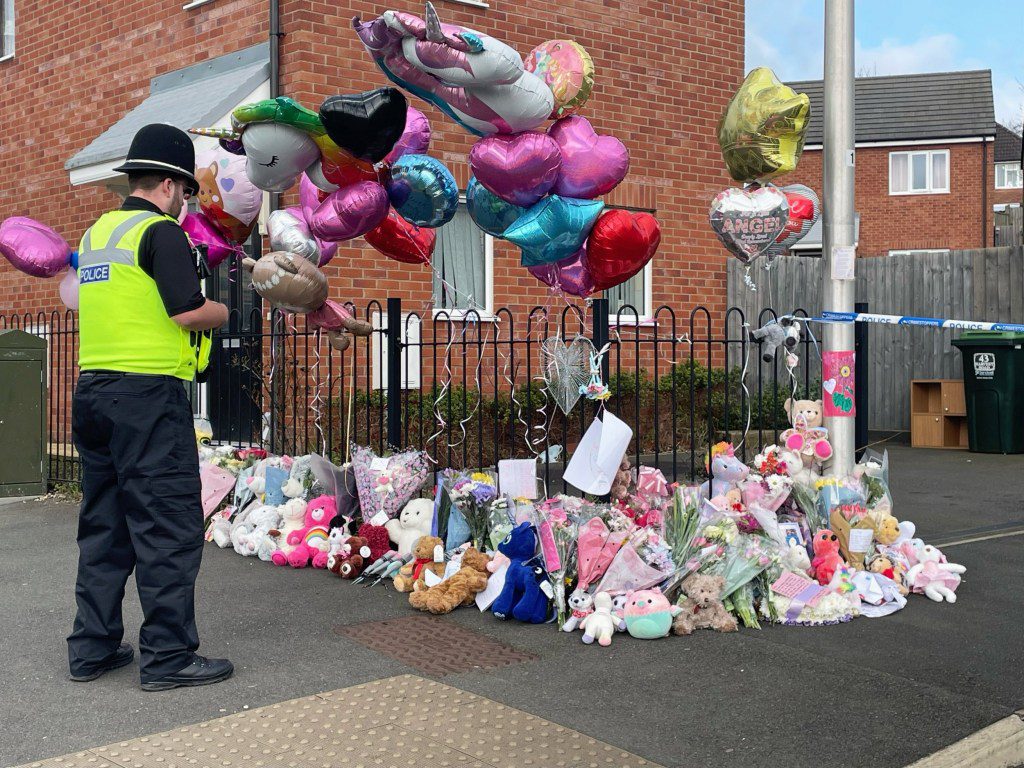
x: 405, y: 721
x: 434, y: 645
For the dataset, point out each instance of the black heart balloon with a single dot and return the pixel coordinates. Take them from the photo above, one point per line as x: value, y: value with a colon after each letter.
x: 368, y: 124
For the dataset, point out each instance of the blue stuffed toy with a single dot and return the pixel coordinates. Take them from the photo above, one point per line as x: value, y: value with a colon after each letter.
x: 522, y: 597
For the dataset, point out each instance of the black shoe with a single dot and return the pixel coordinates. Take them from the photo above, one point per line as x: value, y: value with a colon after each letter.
x: 202, y: 671
x: 123, y: 655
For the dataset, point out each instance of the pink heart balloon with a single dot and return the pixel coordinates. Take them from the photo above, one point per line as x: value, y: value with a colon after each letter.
x: 201, y: 230
x: 415, y: 139
x: 350, y: 212
x: 592, y: 165
x: 519, y: 168
x: 33, y: 248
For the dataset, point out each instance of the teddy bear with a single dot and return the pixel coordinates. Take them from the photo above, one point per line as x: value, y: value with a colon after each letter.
x: 351, y: 559
x: 620, y: 483
x: 292, y: 512
x: 458, y: 589
x: 309, y: 542
x: 891, y: 569
x: 521, y: 597
x: 257, y: 534
x: 795, y: 559
x: 774, y: 335
x: 415, y: 520
x: 826, y: 556
x: 702, y: 606
x: 581, y: 605
x: 933, y: 576
x: 600, y: 625
x: 806, y: 438
x: 423, y: 560
x: 887, y: 531
x: 336, y: 543
x: 649, y: 614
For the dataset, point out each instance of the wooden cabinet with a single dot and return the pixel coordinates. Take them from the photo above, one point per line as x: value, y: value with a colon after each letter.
x: 938, y: 414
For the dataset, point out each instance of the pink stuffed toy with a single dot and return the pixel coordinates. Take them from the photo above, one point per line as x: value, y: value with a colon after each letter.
x: 933, y: 576
x: 826, y: 556
x: 312, y: 541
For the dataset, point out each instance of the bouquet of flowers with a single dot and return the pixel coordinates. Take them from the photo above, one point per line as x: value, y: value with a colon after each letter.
x: 386, y: 483
x: 472, y: 494
x: 564, y: 531
x: 745, y: 559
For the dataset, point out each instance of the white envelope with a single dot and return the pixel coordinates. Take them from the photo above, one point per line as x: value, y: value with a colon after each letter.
x: 490, y: 593
x: 593, y: 465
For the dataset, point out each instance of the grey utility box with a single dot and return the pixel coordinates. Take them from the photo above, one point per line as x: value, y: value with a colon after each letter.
x: 22, y: 414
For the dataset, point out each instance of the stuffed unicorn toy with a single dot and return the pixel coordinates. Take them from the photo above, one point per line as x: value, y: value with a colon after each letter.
x: 727, y: 471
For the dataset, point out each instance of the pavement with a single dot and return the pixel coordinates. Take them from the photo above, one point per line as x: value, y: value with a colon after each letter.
x: 874, y: 692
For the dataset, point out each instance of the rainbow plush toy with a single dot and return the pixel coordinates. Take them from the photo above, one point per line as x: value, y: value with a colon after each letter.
x: 311, y: 542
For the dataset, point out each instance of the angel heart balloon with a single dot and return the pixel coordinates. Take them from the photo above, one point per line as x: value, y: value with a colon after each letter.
x: 804, y: 209
x: 748, y: 221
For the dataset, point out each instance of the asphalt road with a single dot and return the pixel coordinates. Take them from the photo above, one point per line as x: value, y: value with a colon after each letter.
x: 874, y: 692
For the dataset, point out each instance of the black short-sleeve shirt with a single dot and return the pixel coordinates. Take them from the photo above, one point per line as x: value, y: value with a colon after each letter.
x: 166, y: 256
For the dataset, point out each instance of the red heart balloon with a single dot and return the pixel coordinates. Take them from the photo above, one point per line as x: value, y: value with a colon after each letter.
x: 620, y: 245
x: 397, y: 239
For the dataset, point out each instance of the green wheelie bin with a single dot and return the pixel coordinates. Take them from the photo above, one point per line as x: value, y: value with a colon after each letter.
x: 994, y: 389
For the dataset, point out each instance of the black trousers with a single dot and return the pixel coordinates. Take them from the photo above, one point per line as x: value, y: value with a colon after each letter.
x: 142, y: 511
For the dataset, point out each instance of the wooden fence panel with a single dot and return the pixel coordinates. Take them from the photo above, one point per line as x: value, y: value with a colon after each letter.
x: 982, y: 284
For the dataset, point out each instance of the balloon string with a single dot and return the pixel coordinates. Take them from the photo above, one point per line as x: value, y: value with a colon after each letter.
x: 317, y: 402
x: 743, y: 382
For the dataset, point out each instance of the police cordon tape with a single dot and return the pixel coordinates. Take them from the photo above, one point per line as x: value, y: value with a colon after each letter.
x: 932, y: 322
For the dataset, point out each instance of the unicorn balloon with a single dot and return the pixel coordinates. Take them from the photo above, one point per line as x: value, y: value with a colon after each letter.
x: 477, y: 80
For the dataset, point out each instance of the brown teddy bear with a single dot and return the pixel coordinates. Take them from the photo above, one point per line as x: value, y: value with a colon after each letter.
x: 702, y: 608
x: 350, y: 561
x: 423, y: 560
x: 458, y: 589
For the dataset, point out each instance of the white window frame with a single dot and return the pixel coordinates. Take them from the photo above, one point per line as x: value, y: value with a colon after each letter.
x: 8, y: 20
x: 410, y: 335
x: 1009, y: 167
x: 907, y: 251
x: 487, y: 312
x: 647, y: 310
x: 929, y: 189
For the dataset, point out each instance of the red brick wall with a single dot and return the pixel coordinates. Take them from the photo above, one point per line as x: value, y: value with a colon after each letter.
x: 76, y: 72
x: 665, y: 69
x: 898, y: 222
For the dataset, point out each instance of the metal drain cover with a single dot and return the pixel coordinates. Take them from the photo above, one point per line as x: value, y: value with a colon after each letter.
x: 433, y: 645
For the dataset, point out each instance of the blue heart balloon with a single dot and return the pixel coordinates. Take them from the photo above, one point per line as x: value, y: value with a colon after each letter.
x: 423, y: 191
x: 553, y: 229
x: 492, y: 214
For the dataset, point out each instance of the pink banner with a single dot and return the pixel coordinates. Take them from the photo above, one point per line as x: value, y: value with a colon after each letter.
x: 838, y: 384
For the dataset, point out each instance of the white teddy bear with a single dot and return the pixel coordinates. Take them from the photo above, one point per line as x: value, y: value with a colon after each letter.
x: 293, y: 513
x: 256, y: 535
x: 415, y: 520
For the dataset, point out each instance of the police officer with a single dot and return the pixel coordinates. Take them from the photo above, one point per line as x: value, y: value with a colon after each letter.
x: 143, y: 333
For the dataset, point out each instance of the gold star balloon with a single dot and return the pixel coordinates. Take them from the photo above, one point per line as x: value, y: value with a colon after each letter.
x: 762, y: 131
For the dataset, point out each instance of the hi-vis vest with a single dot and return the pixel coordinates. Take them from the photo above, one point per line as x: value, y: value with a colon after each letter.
x: 123, y: 325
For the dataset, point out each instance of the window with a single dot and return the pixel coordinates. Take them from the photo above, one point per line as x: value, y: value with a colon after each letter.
x: 1008, y: 176
x: 632, y: 298
x: 6, y: 29
x: 919, y: 173
x: 463, y: 260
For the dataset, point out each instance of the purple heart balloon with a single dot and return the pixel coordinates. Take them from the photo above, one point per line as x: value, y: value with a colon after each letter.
x: 570, y: 274
x: 519, y: 168
x: 33, y: 248
x: 415, y: 139
x: 592, y: 165
x: 350, y: 212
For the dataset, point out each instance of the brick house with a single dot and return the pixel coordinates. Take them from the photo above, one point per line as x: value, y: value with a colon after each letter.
x: 79, y: 83
x: 100, y: 74
x: 926, y: 161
